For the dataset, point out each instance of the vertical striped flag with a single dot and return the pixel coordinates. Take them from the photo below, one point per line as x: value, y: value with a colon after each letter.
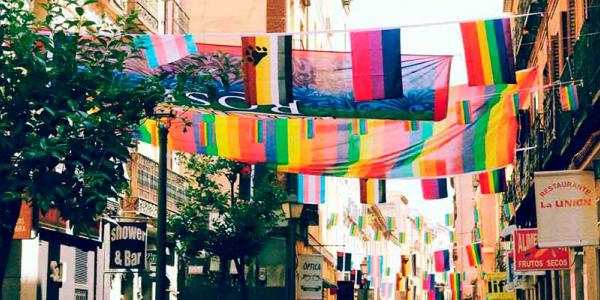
x: 426, y: 282
x: 161, y: 49
x: 488, y: 52
x: 376, y: 64
x: 442, y: 260
x: 391, y: 223
x: 568, y: 97
x: 411, y: 125
x: 449, y: 219
x: 361, y: 223
x: 476, y: 215
x: 372, y: 191
x: 340, y: 261
x: 377, y: 235
x: 477, y: 234
x: 452, y: 236
x: 492, y: 182
x: 434, y: 188
x: 463, y: 112
x: 360, y: 127
x: 402, y: 237
x: 455, y: 286
x: 427, y: 237
x: 267, y: 69
x: 474, y: 254
x: 353, y: 229
x: 418, y: 223
x: 509, y: 210
x: 311, y: 189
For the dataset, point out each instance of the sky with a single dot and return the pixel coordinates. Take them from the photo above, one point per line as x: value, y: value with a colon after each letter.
x: 438, y: 39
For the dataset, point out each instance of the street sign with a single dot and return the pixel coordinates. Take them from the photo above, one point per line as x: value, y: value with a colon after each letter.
x: 529, y: 257
x: 128, y: 246
x: 310, y: 273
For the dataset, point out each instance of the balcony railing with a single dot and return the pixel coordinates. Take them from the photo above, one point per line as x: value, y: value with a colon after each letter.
x: 181, y: 21
x: 525, y: 29
x: 148, y: 13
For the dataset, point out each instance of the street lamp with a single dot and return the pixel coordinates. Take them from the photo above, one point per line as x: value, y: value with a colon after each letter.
x: 292, y: 210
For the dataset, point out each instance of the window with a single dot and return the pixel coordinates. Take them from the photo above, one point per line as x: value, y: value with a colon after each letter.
x: 81, y: 294
x: 81, y: 267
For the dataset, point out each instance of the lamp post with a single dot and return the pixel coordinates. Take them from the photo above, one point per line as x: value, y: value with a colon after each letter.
x: 363, y: 290
x: 292, y: 211
x: 161, y: 221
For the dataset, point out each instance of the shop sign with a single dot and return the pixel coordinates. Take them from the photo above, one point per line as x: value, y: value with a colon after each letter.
x: 529, y: 257
x: 497, y: 287
x: 566, y: 209
x: 24, y: 224
x: 502, y: 296
x: 310, y: 276
x: 128, y: 245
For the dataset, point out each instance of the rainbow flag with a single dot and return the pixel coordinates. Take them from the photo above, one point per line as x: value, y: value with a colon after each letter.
x: 426, y: 282
x: 361, y: 223
x: 463, y: 112
x: 474, y: 254
x: 476, y: 215
x: 437, y: 149
x: 427, y: 237
x: 353, y: 229
x: 492, y: 182
x: 372, y: 191
x: 267, y: 67
x: 402, y: 237
x: 377, y: 235
x: 311, y: 189
x: 411, y: 125
x: 391, y: 223
x: 309, y: 128
x: 449, y: 219
x: 375, y: 267
x: 333, y: 220
x: 359, y: 126
x: 161, y: 49
x: 478, y: 234
x: 419, y: 223
x: 455, y: 286
x: 568, y: 97
x: 434, y: 188
x: 488, y: 52
x: 509, y: 210
x: 452, y: 236
x: 376, y: 65
x: 442, y: 260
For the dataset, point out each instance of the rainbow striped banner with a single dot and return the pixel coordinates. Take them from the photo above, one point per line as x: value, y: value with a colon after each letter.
x: 353, y: 229
x: 474, y: 254
x: 478, y: 234
x: 402, y: 237
x: 442, y: 260
x: 452, y: 236
x: 463, y: 112
x: 267, y: 67
x: 427, y: 238
x: 568, y: 97
x: 488, y: 52
x: 476, y: 215
x: 391, y: 223
x: 311, y: 189
x: 359, y: 127
x: 456, y: 286
x: 437, y: 149
x: 333, y: 220
x: 161, y: 49
x: 376, y: 65
x: 493, y: 181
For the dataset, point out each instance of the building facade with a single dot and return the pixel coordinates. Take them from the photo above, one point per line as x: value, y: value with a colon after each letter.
x: 561, y: 40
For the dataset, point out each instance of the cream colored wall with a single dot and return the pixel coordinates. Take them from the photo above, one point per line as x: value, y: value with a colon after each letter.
x: 227, y: 16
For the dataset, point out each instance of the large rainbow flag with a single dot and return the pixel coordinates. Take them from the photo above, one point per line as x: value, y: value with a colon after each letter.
x: 322, y: 85
x: 435, y: 149
x: 488, y: 51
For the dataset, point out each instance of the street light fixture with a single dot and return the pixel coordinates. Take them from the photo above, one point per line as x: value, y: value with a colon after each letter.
x: 292, y: 209
x: 363, y: 289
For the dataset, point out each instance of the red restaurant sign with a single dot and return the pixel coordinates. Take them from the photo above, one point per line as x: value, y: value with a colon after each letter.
x: 529, y: 257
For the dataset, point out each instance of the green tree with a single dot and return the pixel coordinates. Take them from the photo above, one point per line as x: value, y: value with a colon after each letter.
x: 216, y: 221
x: 67, y: 114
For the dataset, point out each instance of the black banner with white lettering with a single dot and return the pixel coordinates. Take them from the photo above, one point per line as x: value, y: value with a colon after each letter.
x: 128, y: 246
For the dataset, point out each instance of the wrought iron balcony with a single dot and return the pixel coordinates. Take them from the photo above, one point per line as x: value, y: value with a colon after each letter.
x: 525, y: 29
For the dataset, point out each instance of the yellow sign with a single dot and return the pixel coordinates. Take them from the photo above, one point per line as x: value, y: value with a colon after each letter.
x: 495, y: 276
x: 502, y: 296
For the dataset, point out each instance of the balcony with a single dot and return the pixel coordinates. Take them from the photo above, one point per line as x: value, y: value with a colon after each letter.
x: 525, y: 30
x: 148, y: 14
x: 178, y: 22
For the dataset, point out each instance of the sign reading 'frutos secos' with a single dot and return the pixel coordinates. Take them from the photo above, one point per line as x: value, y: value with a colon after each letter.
x: 566, y: 209
x: 128, y: 246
